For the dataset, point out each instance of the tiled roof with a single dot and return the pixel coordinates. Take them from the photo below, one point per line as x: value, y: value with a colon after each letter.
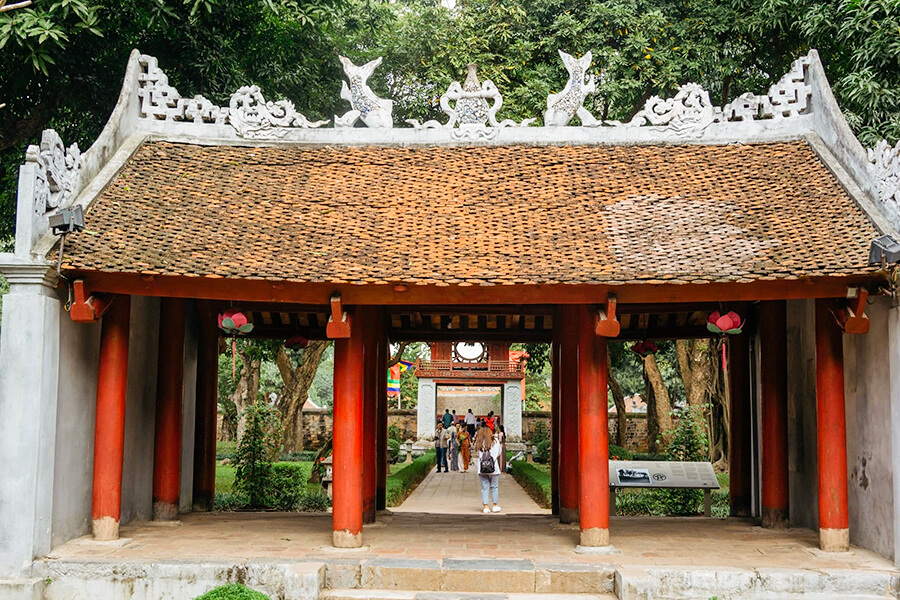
x: 480, y: 215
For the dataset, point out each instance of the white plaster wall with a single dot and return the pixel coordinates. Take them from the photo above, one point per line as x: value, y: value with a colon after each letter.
x: 893, y: 359
x: 802, y: 458
x: 189, y: 406
x: 140, y: 410
x: 79, y: 351
x: 867, y: 388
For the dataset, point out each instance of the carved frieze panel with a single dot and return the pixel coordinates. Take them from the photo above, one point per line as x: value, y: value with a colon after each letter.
x: 57, y: 172
x: 884, y: 163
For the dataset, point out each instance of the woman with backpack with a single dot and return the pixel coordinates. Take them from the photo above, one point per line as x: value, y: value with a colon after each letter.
x: 487, y: 460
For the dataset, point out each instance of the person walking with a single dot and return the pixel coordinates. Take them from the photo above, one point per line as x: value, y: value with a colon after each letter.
x: 501, y: 437
x: 470, y: 425
x: 453, y: 448
x: 489, y: 421
x: 446, y: 418
x: 440, y: 446
x: 487, y: 449
x: 465, y: 444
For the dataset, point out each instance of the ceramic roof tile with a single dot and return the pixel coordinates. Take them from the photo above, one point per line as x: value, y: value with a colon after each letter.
x: 476, y: 215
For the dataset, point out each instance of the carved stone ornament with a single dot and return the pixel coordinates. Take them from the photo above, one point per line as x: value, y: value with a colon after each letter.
x: 161, y: 101
x: 562, y: 107
x: 472, y: 116
x: 57, y: 172
x: 690, y: 111
x: 365, y: 105
x: 253, y: 117
x: 885, y: 166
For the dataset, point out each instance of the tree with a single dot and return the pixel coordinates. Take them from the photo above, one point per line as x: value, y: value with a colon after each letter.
x: 297, y: 375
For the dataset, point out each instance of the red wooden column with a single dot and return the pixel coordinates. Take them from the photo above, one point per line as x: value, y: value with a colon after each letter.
x: 382, y: 410
x: 593, y: 434
x: 109, y: 427
x: 347, y: 487
x: 206, y: 413
x: 739, y: 457
x: 834, y: 522
x: 366, y: 322
x: 554, y: 421
x: 773, y: 401
x: 169, y: 396
x: 568, y: 416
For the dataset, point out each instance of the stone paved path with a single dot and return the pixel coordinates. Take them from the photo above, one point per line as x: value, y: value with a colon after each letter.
x: 460, y: 493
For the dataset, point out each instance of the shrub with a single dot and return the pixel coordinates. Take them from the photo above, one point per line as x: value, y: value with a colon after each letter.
x: 394, y: 432
x: 314, y: 500
x: 286, y: 485
x: 619, y: 453
x: 539, y: 433
x: 229, y: 501
x: 541, y: 452
x: 258, y: 447
x: 650, y: 457
x: 689, y: 443
x: 225, y: 450
x: 393, y: 449
x: 303, y: 456
x: 232, y: 591
x: 637, y: 503
x: 401, y: 483
x: 535, y: 481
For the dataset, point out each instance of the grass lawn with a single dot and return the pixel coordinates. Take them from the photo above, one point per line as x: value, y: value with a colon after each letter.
x: 225, y: 476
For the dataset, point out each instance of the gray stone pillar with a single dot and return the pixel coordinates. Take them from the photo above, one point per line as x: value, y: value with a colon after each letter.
x: 512, y: 409
x: 29, y: 355
x: 427, y: 404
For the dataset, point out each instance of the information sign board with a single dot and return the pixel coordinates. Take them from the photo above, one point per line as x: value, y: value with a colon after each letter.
x: 662, y: 474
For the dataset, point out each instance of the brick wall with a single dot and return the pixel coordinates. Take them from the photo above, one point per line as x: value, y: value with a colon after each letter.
x: 635, y: 434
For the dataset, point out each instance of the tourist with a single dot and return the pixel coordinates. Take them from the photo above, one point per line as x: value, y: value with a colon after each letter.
x: 455, y: 418
x: 501, y: 437
x: 487, y: 453
x: 465, y: 442
x: 440, y: 446
x: 470, y: 424
x: 453, y: 448
x: 447, y: 418
x: 489, y: 421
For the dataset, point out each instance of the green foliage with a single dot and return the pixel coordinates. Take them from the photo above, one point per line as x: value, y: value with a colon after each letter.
x: 226, y: 501
x: 534, y: 480
x: 226, y: 450
x: 650, y: 457
x: 540, y: 432
x: 287, y: 485
x: 232, y: 591
x: 302, y: 456
x: 393, y: 450
x: 225, y: 478
x: 541, y: 452
x: 394, y: 432
x: 689, y: 443
x: 402, y: 483
x: 619, y: 453
x: 258, y: 447
x: 314, y: 499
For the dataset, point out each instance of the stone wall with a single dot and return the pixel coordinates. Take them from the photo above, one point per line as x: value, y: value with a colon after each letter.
x: 636, y: 432
x: 318, y: 425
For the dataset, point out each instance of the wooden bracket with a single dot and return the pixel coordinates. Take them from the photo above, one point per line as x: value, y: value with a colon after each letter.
x: 87, y: 307
x: 850, y: 313
x: 339, y: 322
x: 605, y: 322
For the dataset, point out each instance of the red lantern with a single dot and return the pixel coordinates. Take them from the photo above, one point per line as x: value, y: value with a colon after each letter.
x: 234, y: 323
x: 645, y: 347
x: 297, y: 341
x: 728, y: 324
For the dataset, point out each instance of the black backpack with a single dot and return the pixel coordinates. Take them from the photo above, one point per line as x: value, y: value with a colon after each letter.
x: 486, y: 464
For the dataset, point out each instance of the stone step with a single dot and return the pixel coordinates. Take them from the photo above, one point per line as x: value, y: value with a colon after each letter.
x: 473, y: 576
x: 372, y: 594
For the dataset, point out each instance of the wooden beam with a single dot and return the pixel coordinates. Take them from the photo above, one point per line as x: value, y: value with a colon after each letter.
x: 338, y: 326
x: 605, y: 323
x: 88, y: 307
x: 258, y: 290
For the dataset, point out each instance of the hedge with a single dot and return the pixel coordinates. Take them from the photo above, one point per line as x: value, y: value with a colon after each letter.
x: 232, y: 591
x: 535, y: 481
x: 404, y: 481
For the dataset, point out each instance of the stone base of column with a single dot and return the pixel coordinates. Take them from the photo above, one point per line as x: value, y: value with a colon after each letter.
x: 595, y: 536
x: 345, y: 539
x: 774, y: 518
x: 165, y: 511
x: 568, y: 515
x: 834, y: 540
x: 105, y: 529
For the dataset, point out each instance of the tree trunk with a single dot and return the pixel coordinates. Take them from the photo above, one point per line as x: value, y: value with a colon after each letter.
x: 717, y: 415
x: 246, y: 389
x: 619, y: 400
x: 296, y: 389
x: 662, y: 404
x: 695, y: 361
x: 652, y: 423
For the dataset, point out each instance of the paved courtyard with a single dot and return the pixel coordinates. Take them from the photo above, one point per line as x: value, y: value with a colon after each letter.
x: 460, y: 493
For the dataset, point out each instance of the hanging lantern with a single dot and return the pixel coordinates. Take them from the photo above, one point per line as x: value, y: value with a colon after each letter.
x: 728, y: 324
x: 234, y: 323
x: 296, y: 341
x: 645, y: 347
